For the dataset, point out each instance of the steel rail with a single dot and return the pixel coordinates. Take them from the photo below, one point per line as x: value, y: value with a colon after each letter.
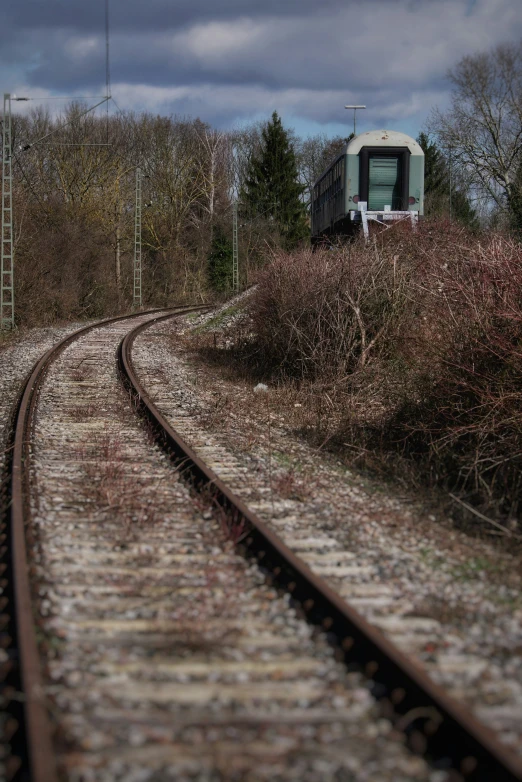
x: 436, y: 725
x: 36, y: 747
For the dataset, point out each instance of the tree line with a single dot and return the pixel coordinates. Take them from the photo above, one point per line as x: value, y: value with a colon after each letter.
x: 74, y: 192
x: 74, y: 205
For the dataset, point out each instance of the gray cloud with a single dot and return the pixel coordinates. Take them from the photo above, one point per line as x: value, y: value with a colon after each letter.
x: 240, y: 58
x: 155, y: 15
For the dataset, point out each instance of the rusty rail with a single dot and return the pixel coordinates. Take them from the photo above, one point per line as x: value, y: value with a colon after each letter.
x: 436, y: 726
x: 32, y: 757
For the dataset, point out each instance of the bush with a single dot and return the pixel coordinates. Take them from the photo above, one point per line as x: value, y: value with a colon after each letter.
x: 322, y: 314
x: 420, y: 337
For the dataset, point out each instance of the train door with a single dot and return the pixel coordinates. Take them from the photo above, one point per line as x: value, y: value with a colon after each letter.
x: 384, y: 183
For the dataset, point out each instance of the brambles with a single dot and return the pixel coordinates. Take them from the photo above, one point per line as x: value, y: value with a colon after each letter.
x: 415, y: 342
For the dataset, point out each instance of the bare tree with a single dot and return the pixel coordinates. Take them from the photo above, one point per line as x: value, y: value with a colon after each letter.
x: 246, y: 143
x: 314, y: 154
x: 483, y: 126
x: 212, y: 169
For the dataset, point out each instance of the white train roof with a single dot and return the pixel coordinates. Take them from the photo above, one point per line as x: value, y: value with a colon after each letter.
x: 376, y: 138
x: 383, y: 138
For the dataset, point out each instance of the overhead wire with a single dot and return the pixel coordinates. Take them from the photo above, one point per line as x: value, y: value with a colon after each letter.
x: 66, y: 97
x: 64, y: 125
x: 107, y: 64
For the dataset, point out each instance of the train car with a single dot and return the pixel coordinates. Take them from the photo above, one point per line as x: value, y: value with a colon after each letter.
x: 378, y: 177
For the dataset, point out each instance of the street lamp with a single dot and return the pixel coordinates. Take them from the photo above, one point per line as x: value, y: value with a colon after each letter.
x: 354, y: 112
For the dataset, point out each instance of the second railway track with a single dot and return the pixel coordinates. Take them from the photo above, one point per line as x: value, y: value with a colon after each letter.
x: 165, y: 655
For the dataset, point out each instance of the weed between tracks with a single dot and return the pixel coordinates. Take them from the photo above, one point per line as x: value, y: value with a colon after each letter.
x: 403, y: 356
x: 111, y: 487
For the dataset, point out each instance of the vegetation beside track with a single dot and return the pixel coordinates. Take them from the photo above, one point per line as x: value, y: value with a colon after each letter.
x: 409, y: 350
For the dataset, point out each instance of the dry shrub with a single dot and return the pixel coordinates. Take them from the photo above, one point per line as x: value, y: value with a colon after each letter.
x: 418, y: 338
x: 322, y: 314
x: 64, y: 269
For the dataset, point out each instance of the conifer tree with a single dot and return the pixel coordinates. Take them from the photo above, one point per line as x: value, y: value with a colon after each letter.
x: 437, y: 187
x: 272, y: 189
x: 220, y: 261
x: 515, y: 203
x: 435, y: 173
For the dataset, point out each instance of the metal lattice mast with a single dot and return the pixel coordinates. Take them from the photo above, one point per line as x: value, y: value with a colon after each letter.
x: 235, y: 250
x: 137, y: 299
x: 7, y: 270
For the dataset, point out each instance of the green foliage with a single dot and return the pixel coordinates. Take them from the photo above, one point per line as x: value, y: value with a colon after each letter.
x: 515, y: 203
x: 435, y: 169
x: 462, y: 210
x: 220, y: 261
x: 272, y: 188
x: 217, y: 321
x: 437, y: 187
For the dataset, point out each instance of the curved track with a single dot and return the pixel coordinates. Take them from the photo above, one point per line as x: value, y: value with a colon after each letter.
x: 164, y: 655
x: 32, y: 755
x: 437, y: 725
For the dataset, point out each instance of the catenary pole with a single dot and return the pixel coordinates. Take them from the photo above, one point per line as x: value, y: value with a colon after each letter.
x: 7, y: 253
x: 7, y: 272
x: 137, y: 297
x: 235, y: 250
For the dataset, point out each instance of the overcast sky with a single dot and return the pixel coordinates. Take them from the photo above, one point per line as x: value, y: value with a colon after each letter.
x: 231, y: 61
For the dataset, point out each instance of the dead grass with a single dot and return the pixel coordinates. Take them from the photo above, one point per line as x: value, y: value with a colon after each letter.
x: 115, y: 492
x: 290, y: 486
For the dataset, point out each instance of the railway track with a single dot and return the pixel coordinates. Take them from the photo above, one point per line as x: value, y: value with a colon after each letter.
x: 164, y: 651
x: 411, y: 578
x: 25, y: 732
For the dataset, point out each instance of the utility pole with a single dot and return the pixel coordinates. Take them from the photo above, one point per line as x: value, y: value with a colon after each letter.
x: 137, y: 298
x: 235, y: 250
x: 7, y: 271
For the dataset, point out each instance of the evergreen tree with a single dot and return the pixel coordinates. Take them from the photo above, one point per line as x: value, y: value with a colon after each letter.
x: 220, y: 261
x: 437, y: 187
x: 515, y: 203
x: 272, y: 188
x: 435, y: 169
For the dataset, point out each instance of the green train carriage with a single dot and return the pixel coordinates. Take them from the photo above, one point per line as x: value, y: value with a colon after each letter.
x: 378, y: 177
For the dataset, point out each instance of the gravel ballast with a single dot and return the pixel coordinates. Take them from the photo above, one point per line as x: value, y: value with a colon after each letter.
x: 451, y: 601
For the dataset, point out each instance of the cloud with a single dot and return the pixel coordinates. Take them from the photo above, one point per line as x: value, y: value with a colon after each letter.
x: 241, y: 58
x: 229, y: 105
